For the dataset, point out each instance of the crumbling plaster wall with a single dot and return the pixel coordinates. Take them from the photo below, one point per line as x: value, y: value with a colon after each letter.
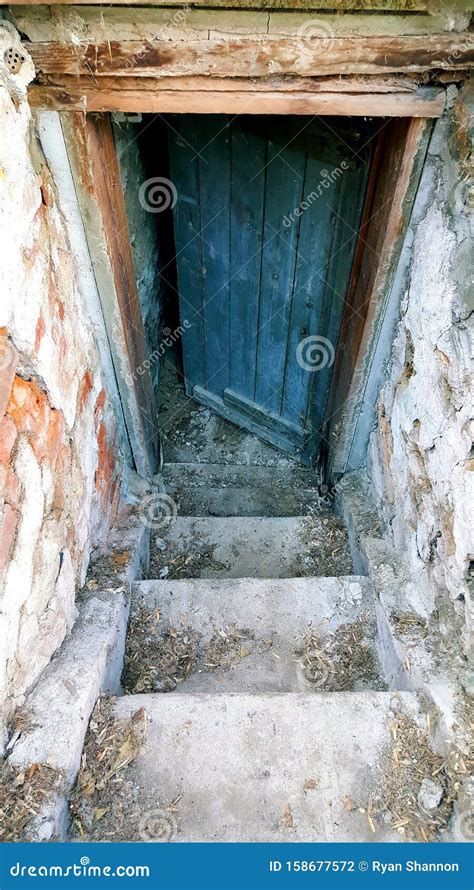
x: 420, y: 457
x: 60, y: 461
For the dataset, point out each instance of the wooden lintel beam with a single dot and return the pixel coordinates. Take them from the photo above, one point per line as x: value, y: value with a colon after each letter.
x: 257, y: 57
x: 305, y: 5
x: 426, y: 103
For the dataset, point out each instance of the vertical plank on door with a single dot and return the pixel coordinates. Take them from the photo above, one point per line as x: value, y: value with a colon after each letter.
x: 184, y: 172
x: 348, y: 209
x: 314, y: 247
x: 248, y: 175
x: 214, y: 167
x: 284, y: 192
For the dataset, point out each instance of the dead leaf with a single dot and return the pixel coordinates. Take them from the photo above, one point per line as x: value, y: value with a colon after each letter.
x: 99, y: 813
x: 348, y: 803
x: 310, y: 784
x: 288, y: 816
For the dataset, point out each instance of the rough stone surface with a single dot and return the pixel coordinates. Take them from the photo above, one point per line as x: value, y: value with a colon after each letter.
x: 60, y: 464
x: 263, y: 768
x: 420, y: 453
x: 59, y: 706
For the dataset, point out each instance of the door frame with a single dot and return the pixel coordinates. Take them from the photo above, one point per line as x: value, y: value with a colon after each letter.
x: 388, y: 205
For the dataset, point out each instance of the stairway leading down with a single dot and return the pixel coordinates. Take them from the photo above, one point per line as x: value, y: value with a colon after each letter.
x: 253, y: 649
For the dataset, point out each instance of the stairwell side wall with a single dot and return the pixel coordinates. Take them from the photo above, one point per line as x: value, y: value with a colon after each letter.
x: 420, y: 452
x: 61, y: 464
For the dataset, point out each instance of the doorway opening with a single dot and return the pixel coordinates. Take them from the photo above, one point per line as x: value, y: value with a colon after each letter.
x: 257, y: 224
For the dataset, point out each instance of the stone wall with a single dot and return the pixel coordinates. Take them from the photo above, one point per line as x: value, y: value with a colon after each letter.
x: 420, y: 454
x: 60, y: 462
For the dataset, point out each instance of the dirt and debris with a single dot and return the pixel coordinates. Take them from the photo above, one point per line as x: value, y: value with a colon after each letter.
x: 175, y: 565
x: 342, y: 660
x: 104, y: 804
x: 107, y: 572
x: 159, y: 656
x: 23, y: 795
x: 408, y: 623
x: 407, y: 768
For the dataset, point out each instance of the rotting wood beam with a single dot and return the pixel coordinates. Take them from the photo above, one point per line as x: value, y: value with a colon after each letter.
x: 306, y: 5
x: 357, y: 84
x: 426, y: 103
x: 95, y: 168
x: 93, y: 24
x: 257, y: 57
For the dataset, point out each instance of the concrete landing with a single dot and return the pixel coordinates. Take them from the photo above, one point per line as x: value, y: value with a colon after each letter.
x: 261, y: 768
x: 259, y: 547
x: 272, y: 618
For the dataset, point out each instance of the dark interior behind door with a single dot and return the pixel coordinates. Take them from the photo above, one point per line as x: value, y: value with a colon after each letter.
x: 266, y: 222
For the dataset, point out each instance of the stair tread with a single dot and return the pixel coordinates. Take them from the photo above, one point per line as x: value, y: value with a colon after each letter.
x: 264, y: 768
x: 244, y: 547
x: 269, y: 620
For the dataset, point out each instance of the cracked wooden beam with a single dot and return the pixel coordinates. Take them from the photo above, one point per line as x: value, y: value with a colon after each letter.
x: 256, y: 57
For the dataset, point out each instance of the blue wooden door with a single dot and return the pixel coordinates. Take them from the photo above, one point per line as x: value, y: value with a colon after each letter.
x: 266, y: 224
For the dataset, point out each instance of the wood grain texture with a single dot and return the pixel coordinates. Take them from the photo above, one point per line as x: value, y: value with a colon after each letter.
x: 257, y: 57
x: 386, y: 215
x: 94, y: 24
x: 340, y: 5
x: 426, y: 103
x: 95, y: 164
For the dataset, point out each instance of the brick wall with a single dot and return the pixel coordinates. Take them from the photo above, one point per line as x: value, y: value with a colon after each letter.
x: 60, y: 461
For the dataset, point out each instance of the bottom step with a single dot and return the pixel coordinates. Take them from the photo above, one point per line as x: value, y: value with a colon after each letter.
x: 268, y: 768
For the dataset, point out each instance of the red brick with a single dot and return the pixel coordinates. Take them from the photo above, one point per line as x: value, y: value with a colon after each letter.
x: 8, y: 524
x: 99, y: 405
x: 85, y: 388
x: 44, y: 426
x: 39, y: 331
x: 7, y: 438
x: 105, y: 465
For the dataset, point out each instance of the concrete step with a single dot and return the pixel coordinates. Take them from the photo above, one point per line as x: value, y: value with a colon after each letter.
x: 261, y: 768
x: 252, y: 633
x: 220, y: 490
x: 250, y: 547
